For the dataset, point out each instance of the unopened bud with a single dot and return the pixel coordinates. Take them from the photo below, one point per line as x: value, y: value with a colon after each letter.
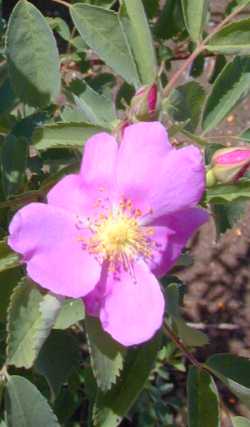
x: 144, y: 103
x: 230, y: 164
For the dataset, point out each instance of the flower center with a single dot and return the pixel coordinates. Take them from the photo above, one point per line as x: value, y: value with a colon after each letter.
x: 119, y: 238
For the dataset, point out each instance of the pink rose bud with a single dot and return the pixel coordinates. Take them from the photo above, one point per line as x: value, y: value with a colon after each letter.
x: 144, y: 103
x: 230, y: 164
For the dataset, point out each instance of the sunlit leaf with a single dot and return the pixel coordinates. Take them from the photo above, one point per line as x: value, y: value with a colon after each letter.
x: 232, y: 84
x: 240, y: 422
x: 31, y: 316
x: 195, y: 13
x: 232, y: 39
x: 105, y: 353
x: 32, y: 56
x: 228, y: 193
x: 71, y: 312
x: 107, y: 39
x: 112, y: 406
x: 95, y: 108
x: 64, y: 135
x: 136, y: 27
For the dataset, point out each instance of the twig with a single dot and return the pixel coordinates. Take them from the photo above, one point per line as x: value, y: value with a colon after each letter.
x: 200, y: 47
x: 177, y: 75
x: 170, y: 333
x: 220, y: 326
x: 225, y: 21
x: 64, y: 3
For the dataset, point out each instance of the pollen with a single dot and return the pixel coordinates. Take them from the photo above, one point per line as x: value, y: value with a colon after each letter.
x: 119, y: 238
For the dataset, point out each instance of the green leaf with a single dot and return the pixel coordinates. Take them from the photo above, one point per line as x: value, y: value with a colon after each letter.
x: 234, y: 371
x: 3, y: 424
x: 245, y: 135
x: 232, y: 39
x: 13, y: 164
x: 7, y: 96
x: 198, y: 139
x: 226, y: 215
x: 25, y: 405
x: 203, y: 399
x: 107, y: 39
x: 31, y: 316
x: 151, y: 7
x: 8, y: 279
x: 136, y: 27
x: 71, y: 312
x: 59, y: 25
x: 232, y: 84
x: 72, y: 115
x: 170, y: 22
x: 240, y: 422
x: 220, y: 62
x: 195, y: 13
x: 8, y: 258
x: 58, y: 357
x: 228, y: 193
x: 2, y: 388
x: 185, y: 104
x: 32, y: 55
x: 64, y: 135
x: 112, y: 406
x: 105, y: 353
x: 95, y: 108
x: 190, y: 336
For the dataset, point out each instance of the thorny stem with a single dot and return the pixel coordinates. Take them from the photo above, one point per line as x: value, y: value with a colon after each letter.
x: 170, y: 333
x: 200, y: 47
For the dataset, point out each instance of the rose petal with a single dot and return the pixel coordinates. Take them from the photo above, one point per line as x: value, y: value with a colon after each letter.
x: 171, y: 234
x: 181, y: 182
x: 69, y: 194
x: 132, y: 311
x: 49, y: 240
x: 99, y: 161
x: 87, y: 193
x: 143, y: 149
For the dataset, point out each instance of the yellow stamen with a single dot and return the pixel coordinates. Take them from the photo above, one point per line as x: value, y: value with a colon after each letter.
x: 119, y: 238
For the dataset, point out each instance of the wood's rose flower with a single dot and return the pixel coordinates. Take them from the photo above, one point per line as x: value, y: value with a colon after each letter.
x: 108, y: 232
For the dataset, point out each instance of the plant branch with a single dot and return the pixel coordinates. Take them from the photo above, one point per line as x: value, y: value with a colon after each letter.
x: 225, y: 21
x: 170, y: 85
x: 62, y: 2
x: 170, y: 333
x: 200, y: 47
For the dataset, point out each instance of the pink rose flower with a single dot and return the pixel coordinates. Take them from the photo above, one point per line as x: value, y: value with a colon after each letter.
x: 144, y: 103
x: 228, y: 165
x: 107, y: 232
